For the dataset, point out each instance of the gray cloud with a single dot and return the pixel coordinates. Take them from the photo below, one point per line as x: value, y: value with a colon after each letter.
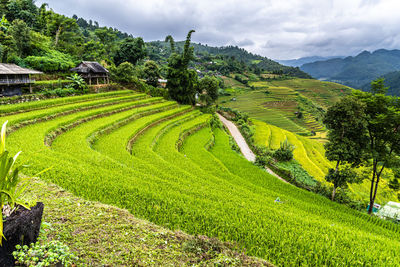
x: 276, y: 29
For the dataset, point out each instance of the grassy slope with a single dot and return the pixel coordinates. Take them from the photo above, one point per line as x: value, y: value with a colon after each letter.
x: 215, y: 192
x: 311, y: 155
x: 104, y: 235
x: 278, y: 106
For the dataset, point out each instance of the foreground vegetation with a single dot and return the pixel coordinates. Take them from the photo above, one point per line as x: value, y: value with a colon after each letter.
x: 101, y: 234
x: 171, y: 180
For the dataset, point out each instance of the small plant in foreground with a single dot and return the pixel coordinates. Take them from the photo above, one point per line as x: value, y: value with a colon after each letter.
x: 11, y: 185
x: 50, y: 254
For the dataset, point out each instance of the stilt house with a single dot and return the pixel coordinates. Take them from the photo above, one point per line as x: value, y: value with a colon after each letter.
x: 13, y: 78
x: 92, y: 72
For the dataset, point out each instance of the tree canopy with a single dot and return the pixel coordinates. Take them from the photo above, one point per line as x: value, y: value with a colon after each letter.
x: 182, y: 81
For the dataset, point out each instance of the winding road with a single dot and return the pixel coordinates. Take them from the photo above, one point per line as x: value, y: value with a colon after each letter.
x: 244, y: 147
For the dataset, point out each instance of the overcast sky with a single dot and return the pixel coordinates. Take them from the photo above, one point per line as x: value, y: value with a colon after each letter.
x: 278, y: 29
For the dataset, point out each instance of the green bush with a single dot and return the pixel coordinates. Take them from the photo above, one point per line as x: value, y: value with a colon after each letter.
x: 62, y: 92
x: 51, y: 254
x: 285, y: 152
x: 51, y: 61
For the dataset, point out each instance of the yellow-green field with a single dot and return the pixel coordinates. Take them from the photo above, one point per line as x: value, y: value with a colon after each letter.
x: 311, y: 155
x: 276, y: 102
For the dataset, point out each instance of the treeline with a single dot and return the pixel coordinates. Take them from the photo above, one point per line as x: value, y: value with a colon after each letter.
x: 38, y: 37
x: 364, y: 139
x: 225, y: 59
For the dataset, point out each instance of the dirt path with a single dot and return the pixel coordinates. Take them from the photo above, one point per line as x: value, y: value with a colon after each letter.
x: 244, y: 147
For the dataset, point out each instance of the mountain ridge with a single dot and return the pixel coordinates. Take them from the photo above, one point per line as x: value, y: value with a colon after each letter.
x: 358, y: 70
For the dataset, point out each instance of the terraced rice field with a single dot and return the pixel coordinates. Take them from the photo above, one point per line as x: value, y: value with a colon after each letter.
x: 255, y: 103
x: 163, y: 163
x: 322, y: 93
x: 311, y: 155
x: 276, y: 102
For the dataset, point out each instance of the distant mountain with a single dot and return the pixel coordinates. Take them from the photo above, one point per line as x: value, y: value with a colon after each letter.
x: 159, y: 50
x: 304, y: 60
x: 392, y: 80
x: 355, y: 71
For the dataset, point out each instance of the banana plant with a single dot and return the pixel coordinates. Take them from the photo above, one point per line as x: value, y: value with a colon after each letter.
x: 11, y: 184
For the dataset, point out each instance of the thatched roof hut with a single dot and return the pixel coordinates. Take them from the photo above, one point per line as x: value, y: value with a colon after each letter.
x: 92, y: 71
x: 12, y: 69
x: 13, y: 76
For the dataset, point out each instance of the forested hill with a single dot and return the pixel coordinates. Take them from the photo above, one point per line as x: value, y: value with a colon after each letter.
x: 356, y: 71
x: 39, y: 38
x: 158, y: 50
x: 392, y: 80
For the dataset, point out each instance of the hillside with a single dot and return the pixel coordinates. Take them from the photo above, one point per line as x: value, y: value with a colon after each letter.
x: 392, y: 80
x: 275, y: 106
x: 355, y: 71
x: 279, y: 101
x: 304, y: 60
x: 310, y: 154
x: 135, y: 152
x: 39, y: 38
x: 160, y: 51
x: 97, y: 234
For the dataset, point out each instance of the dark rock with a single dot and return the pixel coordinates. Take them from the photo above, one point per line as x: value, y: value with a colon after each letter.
x: 21, y: 228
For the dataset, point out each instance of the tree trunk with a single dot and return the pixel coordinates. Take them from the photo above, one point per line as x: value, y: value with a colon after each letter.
x: 333, y: 193
x: 57, y: 35
x: 371, y: 198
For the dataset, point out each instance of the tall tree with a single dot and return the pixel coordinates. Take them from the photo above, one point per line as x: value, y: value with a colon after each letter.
x: 25, y: 10
x: 182, y: 81
x: 346, y: 123
x: 208, y: 89
x: 131, y: 50
x: 383, y: 132
x: 20, y: 33
x: 151, y: 73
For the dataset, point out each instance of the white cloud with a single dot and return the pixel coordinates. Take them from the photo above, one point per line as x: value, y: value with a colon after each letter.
x: 276, y: 29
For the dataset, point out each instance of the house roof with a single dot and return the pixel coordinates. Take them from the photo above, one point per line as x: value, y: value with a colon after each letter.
x: 15, y: 69
x: 390, y: 210
x: 90, y: 66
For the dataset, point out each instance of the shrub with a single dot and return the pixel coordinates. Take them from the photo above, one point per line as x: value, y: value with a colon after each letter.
x: 62, y: 92
x: 77, y: 82
x: 124, y: 73
x: 53, y: 253
x: 51, y: 61
x: 285, y: 152
x: 11, y: 185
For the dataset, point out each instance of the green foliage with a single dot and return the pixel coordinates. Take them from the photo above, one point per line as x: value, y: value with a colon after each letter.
x: 378, y: 86
x: 346, y: 123
x: 285, y: 151
x: 130, y: 50
x: 208, y: 89
x: 11, y: 184
x: 51, y: 62
x: 61, y: 92
x: 151, y: 73
x: 20, y: 34
x: 124, y: 73
x: 77, y: 82
x: 342, y: 177
x: 182, y: 81
x: 50, y: 254
x: 394, y: 184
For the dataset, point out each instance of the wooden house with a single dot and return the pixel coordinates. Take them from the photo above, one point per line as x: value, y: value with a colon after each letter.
x: 92, y: 72
x: 13, y: 78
